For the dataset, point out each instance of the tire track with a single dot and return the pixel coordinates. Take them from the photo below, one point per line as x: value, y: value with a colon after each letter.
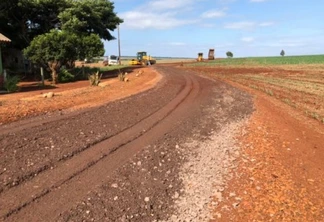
x: 84, y: 165
x: 34, y: 123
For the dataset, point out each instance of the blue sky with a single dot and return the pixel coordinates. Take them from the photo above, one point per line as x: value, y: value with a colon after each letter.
x: 182, y: 28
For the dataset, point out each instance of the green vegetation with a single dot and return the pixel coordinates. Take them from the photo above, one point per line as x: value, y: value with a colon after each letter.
x: 23, y: 20
x: 11, y: 83
x: 59, y: 48
x: 82, y: 73
x: 65, y: 76
x: 55, y: 33
x: 95, y: 79
x: 229, y: 54
x: 111, y: 68
x: 54, y: 49
x: 278, y: 60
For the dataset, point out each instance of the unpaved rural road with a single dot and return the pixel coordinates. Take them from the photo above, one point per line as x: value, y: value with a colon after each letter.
x: 161, y: 155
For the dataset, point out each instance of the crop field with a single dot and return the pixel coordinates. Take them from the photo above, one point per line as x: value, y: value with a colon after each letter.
x: 297, y: 81
x: 278, y: 60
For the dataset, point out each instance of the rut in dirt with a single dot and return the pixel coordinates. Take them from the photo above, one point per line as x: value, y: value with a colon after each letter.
x: 105, y: 150
x: 55, y: 165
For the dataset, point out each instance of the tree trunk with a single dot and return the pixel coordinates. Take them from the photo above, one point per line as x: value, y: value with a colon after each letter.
x: 70, y: 64
x: 54, y: 76
x: 54, y: 67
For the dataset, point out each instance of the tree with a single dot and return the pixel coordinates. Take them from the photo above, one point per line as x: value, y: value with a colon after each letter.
x: 282, y: 53
x: 58, y: 48
x: 229, y: 54
x: 88, y: 16
x: 22, y: 20
x: 90, y: 46
x: 53, y: 49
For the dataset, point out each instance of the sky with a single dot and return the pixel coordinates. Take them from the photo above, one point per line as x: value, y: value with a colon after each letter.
x: 247, y: 28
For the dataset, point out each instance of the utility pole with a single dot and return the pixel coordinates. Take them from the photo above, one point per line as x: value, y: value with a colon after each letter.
x: 119, y: 56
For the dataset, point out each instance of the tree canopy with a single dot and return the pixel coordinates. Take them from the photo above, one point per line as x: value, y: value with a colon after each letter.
x: 22, y: 20
x: 58, y: 32
x: 58, y: 48
x: 53, y: 49
x: 88, y: 16
x: 229, y: 54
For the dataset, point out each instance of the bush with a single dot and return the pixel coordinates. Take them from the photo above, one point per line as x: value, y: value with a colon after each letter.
x: 121, y: 76
x: 95, y: 79
x: 11, y: 83
x: 82, y: 73
x: 65, y: 76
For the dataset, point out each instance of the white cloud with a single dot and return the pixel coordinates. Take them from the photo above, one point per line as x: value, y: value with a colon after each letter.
x: 265, y: 24
x: 240, y: 25
x: 247, y: 25
x: 213, y: 14
x: 207, y: 25
x: 160, y: 5
x: 159, y: 14
x: 143, y: 20
x: 247, y: 39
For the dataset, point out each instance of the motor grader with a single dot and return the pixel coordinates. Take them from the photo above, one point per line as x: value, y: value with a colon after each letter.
x: 142, y: 59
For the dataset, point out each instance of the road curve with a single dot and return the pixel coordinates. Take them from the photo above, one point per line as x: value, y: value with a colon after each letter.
x: 49, y: 168
x: 85, y: 169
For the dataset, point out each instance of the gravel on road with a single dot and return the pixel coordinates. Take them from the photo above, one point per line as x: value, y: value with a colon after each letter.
x: 172, y: 178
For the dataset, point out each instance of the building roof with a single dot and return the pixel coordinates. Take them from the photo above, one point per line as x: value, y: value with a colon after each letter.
x: 4, y: 38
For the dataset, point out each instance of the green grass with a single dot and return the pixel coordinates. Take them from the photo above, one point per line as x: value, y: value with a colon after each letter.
x: 278, y: 60
x: 110, y: 68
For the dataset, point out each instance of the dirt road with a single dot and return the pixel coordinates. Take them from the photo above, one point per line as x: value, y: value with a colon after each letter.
x: 123, y: 161
x: 191, y: 148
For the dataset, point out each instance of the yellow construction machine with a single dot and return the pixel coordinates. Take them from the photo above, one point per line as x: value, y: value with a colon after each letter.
x: 142, y: 59
x: 200, y: 57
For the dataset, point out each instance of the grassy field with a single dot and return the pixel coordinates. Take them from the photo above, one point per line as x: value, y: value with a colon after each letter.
x: 279, y: 60
x: 297, y: 81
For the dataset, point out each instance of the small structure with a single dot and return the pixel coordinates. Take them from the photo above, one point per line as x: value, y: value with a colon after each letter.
x: 211, y: 54
x: 3, y: 39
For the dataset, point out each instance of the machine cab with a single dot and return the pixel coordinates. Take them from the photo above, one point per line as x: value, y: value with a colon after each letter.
x: 140, y: 55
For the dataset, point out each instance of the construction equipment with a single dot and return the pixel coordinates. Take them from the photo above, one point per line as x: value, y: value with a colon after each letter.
x: 142, y: 59
x: 211, y: 54
x: 200, y: 57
